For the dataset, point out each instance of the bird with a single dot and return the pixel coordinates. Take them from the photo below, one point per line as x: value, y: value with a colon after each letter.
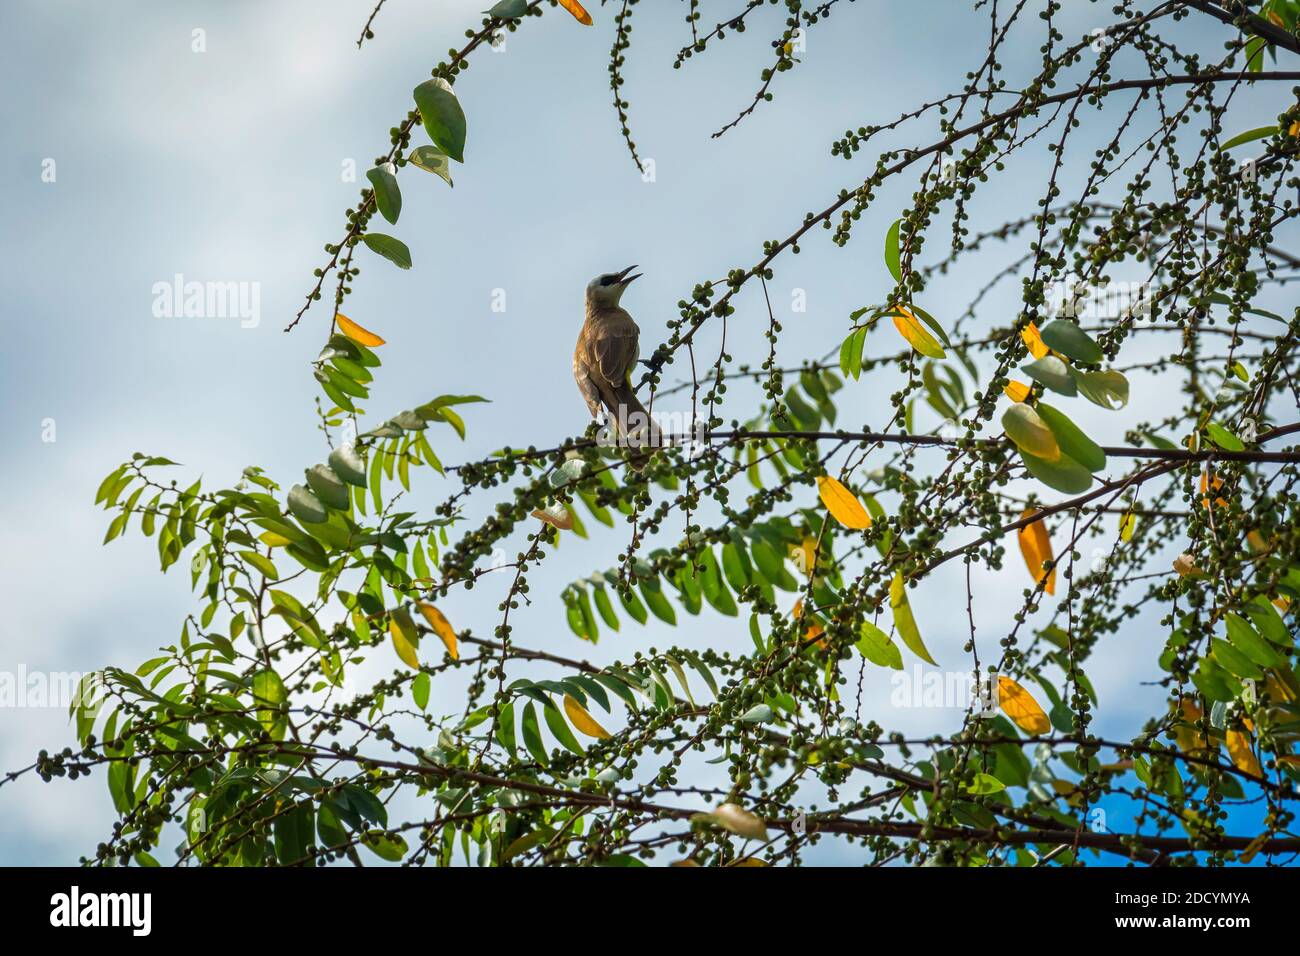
x: 603, y: 360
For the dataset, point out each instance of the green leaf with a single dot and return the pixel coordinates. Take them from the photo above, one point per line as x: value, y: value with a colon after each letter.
x: 431, y: 160
x: 532, y: 735
x: 1053, y: 373
x: 892, y: 259
x: 1245, y: 639
x: 443, y: 118
x: 386, y: 846
x: 1071, y: 341
x: 904, y: 621
x: 347, y: 464
x: 270, y: 695
x: 388, y: 197
x: 1109, y: 388
x: 1065, y: 474
x: 555, y: 721
x: 875, y: 645
x: 508, y: 9
x: 984, y: 784
x: 420, y: 690
x: 328, y: 487
x: 1071, y: 439
x: 305, y: 506
x: 1029, y: 432
x: 1250, y: 135
x: 1223, y: 438
x: 394, y: 250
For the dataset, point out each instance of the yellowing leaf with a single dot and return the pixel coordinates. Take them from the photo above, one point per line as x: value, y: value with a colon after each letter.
x: 582, y: 720
x: 1185, y: 565
x: 1243, y: 758
x: 1018, y: 704
x: 739, y: 821
x: 273, y: 539
x: 556, y: 514
x: 1034, y: 341
x: 843, y: 504
x: 579, y: 14
x: 1036, y: 547
x: 905, y: 621
x: 356, y: 332
x: 910, y: 328
x: 1016, y: 391
x: 440, y: 625
x: 1127, y: 524
x: 1294, y: 129
x: 402, y: 629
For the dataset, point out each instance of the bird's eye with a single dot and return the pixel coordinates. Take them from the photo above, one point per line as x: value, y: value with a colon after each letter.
x: 606, y: 280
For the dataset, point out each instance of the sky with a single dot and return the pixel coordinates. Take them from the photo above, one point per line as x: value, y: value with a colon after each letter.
x: 132, y: 157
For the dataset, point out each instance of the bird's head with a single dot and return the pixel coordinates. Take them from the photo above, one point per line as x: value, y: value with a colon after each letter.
x: 605, y: 290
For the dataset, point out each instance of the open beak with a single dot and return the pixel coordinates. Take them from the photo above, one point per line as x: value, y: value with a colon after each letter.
x: 624, y: 278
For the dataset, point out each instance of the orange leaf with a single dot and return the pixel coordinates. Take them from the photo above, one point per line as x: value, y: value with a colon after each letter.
x: 442, y: 627
x: 1020, y: 706
x: 1034, y: 341
x: 1016, y: 391
x: 579, y: 14
x: 1205, y: 486
x: 1243, y: 758
x: 582, y: 720
x: 843, y: 505
x: 356, y: 332
x: 1036, y: 546
x: 910, y: 328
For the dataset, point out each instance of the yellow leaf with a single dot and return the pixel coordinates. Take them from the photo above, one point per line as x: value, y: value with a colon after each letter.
x: 441, y: 627
x: 1033, y: 341
x: 1036, y: 547
x: 804, y: 555
x: 1243, y: 758
x: 1205, y: 486
x: 1016, y: 391
x: 1294, y: 129
x: 356, y: 333
x: 1189, y: 739
x: 843, y: 505
x: 1253, y: 538
x: 1253, y: 847
x: 556, y: 514
x: 1127, y: 524
x: 582, y: 720
x: 910, y: 328
x: 273, y: 539
x: 402, y: 628
x: 749, y: 860
x: 1020, y: 706
x: 1275, y: 19
x: 579, y: 14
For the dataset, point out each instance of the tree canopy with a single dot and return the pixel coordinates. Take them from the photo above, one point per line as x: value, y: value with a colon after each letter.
x: 810, y: 547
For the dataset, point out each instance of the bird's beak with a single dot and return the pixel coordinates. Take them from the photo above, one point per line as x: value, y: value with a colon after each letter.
x: 624, y: 278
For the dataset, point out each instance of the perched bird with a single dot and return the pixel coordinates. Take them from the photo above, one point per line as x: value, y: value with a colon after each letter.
x: 603, y: 361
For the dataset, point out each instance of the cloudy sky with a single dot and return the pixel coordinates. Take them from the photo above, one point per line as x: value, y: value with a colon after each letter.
x: 228, y: 165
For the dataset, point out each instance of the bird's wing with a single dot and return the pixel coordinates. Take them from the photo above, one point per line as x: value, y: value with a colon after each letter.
x: 588, y: 388
x: 616, y: 350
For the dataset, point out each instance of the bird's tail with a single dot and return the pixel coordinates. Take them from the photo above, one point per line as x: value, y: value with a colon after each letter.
x: 635, y: 428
